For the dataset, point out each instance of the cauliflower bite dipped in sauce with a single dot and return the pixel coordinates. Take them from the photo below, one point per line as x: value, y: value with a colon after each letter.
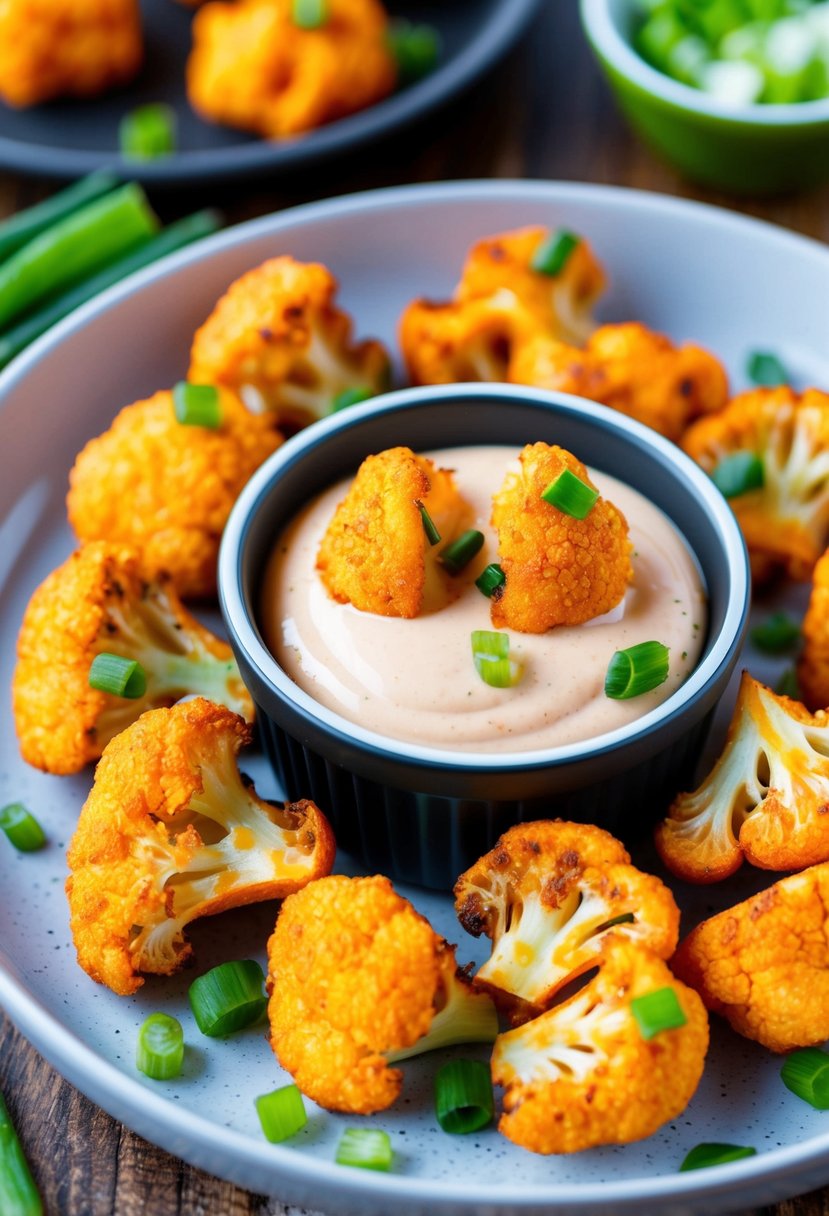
x: 253, y: 67
x: 548, y: 896
x: 765, y: 799
x: 97, y: 602
x: 764, y: 964
x: 167, y: 489
x: 171, y: 832
x: 277, y: 339
x: 66, y: 48
x: 813, y: 664
x: 583, y: 1075
x: 358, y: 980
x: 785, y: 520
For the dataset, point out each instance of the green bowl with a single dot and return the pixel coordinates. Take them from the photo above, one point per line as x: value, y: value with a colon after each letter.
x: 754, y: 149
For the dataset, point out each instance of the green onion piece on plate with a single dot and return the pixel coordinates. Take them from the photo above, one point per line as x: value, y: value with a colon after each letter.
x: 705, y: 1155
x: 806, y: 1074
x: 571, y: 495
x: 20, y: 228
x: 121, y: 677
x: 777, y: 633
x: 788, y: 685
x: 657, y: 1011
x: 459, y: 553
x: 416, y: 49
x: 160, y: 1051
x: 350, y: 396
x: 366, y: 1147
x: 432, y: 534
x: 228, y: 998
x: 637, y: 670
x: 22, y: 829
x: 197, y: 405
x: 281, y: 1113
x: 739, y: 473
x: 553, y: 254
x: 309, y: 14
x: 766, y: 369
x: 18, y: 1193
x: 148, y: 132
x: 463, y: 1097
x: 490, y: 654
x: 490, y: 579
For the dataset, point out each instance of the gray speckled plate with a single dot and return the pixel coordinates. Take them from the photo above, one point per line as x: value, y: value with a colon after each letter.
x: 695, y: 272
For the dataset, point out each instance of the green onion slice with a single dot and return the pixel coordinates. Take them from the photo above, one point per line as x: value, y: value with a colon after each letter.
x: 148, y: 132
x: 350, y: 396
x: 637, y: 670
x: 119, y: 676
x: 739, y: 473
x: 571, y: 495
x: 416, y: 49
x: 705, y: 1155
x: 228, y: 998
x: 459, y: 553
x: 553, y: 254
x: 309, y: 14
x: 21, y: 827
x: 657, y: 1011
x: 18, y: 1193
x: 490, y: 580
x: 368, y: 1148
x: 463, y: 1097
x: 160, y: 1052
x: 281, y: 1113
x: 806, y: 1074
x: 490, y: 654
x: 197, y: 405
x: 624, y: 918
x: 766, y: 369
x: 432, y: 534
x: 779, y: 632
x: 788, y: 685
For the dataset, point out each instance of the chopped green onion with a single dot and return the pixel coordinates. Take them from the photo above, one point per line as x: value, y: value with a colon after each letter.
x: 160, y: 1052
x: 806, y: 1074
x: 624, y: 918
x: 766, y: 369
x: 637, y: 670
x: 281, y: 1113
x: 18, y: 1193
x: 368, y: 1148
x: 197, y: 405
x: 121, y: 677
x: 657, y: 1011
x: 553, y: 254
x: 432, y: 534
x: 779, y: 632
x: 21, y: 827
x: 571, y: 495
x: 490, y: 579
x: 309, y: 14
x: 351, y: 396
x: 788, y: 685
x: 20, y: 228
x: 739, y: 473
x: 706, y: 1155
x: 415, y: 48
x: 228, y: 998
x: 148, y: 132
x: 463, y: 1097
x: 490, y: 654
x: 459, y: 553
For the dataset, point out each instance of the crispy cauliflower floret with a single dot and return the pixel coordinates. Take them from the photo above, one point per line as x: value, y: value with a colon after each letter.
x: 171, y: 832
x: 454, y: 343
x: 358, y: 980
x: 548, y: 895
x: 97, y: 602
x: 813, y: 664
x: 277, y: 339
x: 786, y: 521
x: 66, y: 48
x: 254, y: 68
x: 582, y: 1074
x: 559, y: 570
x: 631, y: 369
x: 375, y: 553
x: 765, y: 800
x: 167, y: 489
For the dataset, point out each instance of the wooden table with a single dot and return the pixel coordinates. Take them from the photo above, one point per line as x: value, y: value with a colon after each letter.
x: 545, y: 113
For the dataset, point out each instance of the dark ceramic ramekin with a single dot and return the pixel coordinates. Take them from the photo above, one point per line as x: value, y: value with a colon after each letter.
x: 421, y: 814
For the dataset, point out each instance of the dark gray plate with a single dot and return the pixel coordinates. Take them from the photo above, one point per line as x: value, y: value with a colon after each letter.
x: 69, y: 138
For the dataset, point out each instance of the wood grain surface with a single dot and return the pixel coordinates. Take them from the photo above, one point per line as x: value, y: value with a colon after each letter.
x: 545, y: 113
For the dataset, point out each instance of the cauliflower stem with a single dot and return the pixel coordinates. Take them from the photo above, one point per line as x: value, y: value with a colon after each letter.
x: 466, y: 1016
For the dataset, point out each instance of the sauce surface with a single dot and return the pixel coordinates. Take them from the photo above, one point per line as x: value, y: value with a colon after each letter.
x: 415, y: 680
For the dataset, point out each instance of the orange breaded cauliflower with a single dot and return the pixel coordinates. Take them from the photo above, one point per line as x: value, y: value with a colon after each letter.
x: 631, y: 369
x: 66, y: 48
x: 278, y: 340
x: 167, y: 489
x: 358, y: 980
x: 455, y: 343
x: 764, y: 964
x: 785, y: 522
x: 171, y: 832
x: 582, y: 1075
x: 254, y: 68
x: 98, y: 602
x: 813, y: 663
x: 764, y: 801
x: 375, y: 553
x: 559, y: 570
x: 548, y: 895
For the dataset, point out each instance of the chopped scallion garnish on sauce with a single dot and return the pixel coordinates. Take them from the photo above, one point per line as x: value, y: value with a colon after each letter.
x: 490, y: 579
x: 21, y: 827
x: 777, y: 633
x: 637, y: 670
x: 571, y: 495
x: 806, y: 1074
x: 766, y: 369
x: 366, y: 1147
x: 459, y: 553
x: 657, y: 1011
x: 463, y: 1097
x: 197, y: 405
x: 490, y: 653
x: 553, y: 254
x: 160, y: 1051
x: 148, y: 132
x: 705, y: 1155
x: 739, y: 473
x: 119, y: 676
x: 309, y: 14
x: 432, y: 534
x: 228, y: 998
x: 281, y: 1113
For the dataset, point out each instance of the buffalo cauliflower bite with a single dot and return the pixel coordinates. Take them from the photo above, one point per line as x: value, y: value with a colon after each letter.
x: 813, y: 664
x: 358, y: 980
x: 167, y: 489
x: 582, y: 1075
x: 375, y: 553
x: 559, y: 570
x: 453, y: 343
x: 253, y: 67
x: 66, y: 48
x: 278, y: 340
x: 548, y: 895
x: 171, y: 832
x: 785, y: 521
x: 765, y: 800
x: 764, y: 964
x: 97, y: 602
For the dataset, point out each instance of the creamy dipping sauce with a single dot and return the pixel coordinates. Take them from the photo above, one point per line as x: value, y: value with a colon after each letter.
x: 415, y: 680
